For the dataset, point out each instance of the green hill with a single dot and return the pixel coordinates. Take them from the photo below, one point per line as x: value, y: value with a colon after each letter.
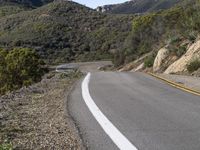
x: 65, y: 31
x: 140, y: 6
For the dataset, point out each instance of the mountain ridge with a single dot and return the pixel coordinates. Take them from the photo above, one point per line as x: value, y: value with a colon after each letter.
x: 138, y: 6
x: 27, y: 3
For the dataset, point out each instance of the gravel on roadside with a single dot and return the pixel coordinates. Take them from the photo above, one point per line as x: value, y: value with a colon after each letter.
x: 187, y: 81
x: 35, y: 118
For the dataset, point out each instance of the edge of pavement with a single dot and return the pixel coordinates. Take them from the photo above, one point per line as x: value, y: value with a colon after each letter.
x: 176, y: 85
x: 73, y: 123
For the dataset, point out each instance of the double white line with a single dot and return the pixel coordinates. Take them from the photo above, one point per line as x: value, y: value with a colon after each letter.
x: 116, y: 136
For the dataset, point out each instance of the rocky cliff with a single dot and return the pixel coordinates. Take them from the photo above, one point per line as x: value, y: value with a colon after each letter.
x: 193, y: 53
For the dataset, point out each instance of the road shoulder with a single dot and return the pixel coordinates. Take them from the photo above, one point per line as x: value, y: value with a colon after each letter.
x: 186, y: 83
x: 37, y: 117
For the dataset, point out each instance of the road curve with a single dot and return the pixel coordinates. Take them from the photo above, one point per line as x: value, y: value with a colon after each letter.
x: 149, y: 113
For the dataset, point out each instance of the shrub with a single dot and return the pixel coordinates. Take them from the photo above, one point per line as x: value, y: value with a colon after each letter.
x: 178, y: 51
x: 182, y: 50
x: 192, y: 35
x: 6, y: 147
x: 194, y: 65
x: 143, y: 21
x: 173, y: 40
x: 19, y: 67
x: 149, y: 61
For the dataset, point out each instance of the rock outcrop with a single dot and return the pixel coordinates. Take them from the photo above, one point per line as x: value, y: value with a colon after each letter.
x: 180, y: 65
x: 160, y: 58
x: 132, y: 66
x: 139, y: 68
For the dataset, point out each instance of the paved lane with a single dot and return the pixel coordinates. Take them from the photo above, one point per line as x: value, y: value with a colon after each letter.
x: 149, y: 113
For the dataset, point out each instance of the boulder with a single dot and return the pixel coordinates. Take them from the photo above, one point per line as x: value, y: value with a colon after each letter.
x: 180, y: 65
x: 163, y: 53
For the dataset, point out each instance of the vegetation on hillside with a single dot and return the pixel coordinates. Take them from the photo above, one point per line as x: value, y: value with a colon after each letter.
x: 65, y: 31
x: 19, y: 67
x: 142, y: 6
x: 26, y: 3
x: 6, y: 10
x: 57, y: 32
x: 6, y: 146
x: 149, y: 61
x: 194, y: 65
x: 154, y: 30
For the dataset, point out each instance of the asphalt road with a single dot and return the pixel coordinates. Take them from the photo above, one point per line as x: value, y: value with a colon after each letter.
x: 84, y: 67
x: 150, y: 114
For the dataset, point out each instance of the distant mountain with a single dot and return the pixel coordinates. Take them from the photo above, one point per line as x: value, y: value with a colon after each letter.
x: 138, y: 6
x: 30, y: 3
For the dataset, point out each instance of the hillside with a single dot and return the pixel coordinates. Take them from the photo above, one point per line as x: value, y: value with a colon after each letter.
x: 27, y: 3
x: 168, y: 38
x: 65, y: 31
x: 140, y: 6
x: 9, y: 9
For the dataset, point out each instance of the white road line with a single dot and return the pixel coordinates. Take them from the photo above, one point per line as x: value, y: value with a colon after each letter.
x: 116, y: 136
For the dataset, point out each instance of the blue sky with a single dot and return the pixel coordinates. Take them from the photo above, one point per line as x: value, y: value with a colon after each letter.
x: 95, y: 3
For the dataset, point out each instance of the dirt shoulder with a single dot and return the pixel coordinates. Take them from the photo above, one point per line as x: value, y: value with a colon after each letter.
x: 36, y: 118
x: 187, y: 81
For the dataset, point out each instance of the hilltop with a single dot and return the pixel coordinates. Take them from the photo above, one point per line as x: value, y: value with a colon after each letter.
x: 27, y: 3
x: 139, y: 6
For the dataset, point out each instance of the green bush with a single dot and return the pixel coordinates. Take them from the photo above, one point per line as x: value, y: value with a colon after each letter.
x: 178, y: 51
x: 19, y: 67
x: 194, y: 65
x: 181, y: 51
x: 6, y: 146
x: 143, y: 21
x: 192, y: 35
x: 149, y: 61
x: 173, y: 40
